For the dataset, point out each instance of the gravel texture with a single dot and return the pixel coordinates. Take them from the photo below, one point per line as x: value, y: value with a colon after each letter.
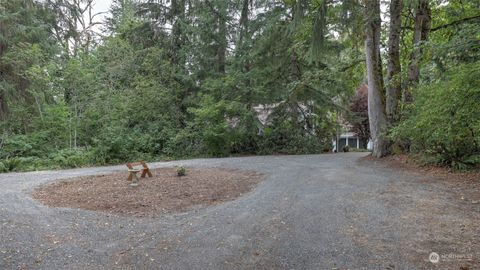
x: 311, y: 212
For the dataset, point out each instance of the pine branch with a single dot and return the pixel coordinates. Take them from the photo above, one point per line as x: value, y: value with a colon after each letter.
x: 353, y: 64
x: 457, y: 22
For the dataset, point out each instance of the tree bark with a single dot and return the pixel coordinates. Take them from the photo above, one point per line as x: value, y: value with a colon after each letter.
x: 244, y: 21
x: 421, y: 30
x: 3, y: 99
x: 222, y: 37
x: 297, y: 16
x: 295, y: 66
x: 178, y: 39
x: 376, y: 108
x: 393, y: 66
x: 3, y: 106
x: 220, y: 11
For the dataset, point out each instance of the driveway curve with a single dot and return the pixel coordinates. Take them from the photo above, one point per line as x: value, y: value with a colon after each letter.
x: 311, y: 212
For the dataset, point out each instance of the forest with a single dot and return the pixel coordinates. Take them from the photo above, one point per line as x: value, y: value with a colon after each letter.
x: 169, y: 79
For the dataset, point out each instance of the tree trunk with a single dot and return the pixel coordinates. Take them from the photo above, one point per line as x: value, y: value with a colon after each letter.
x: 222, y: 37
x: 297, y: 16
x: 376, y: 108
x: 420, y: 34
x: 244, y: 21
x: 394, y: 67
x: 178, y: 39
x: 295, y: 66
x: 3, y: 99
x: 3, y: 106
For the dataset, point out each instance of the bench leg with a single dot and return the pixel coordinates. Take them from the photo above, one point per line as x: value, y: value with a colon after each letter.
x: 135, y: 181
x: 146, y: 172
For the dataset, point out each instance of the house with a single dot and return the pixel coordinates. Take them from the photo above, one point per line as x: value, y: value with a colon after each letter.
x: 351, y: 140
x: 353, y: 134
x: 345, y: 137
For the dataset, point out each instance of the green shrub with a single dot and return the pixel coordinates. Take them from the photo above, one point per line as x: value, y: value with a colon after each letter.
x: 16, y: 146
x: 69, y: 158
x: 186, y: 143
x: 218, y: 128
x: 11, y: 164
x: 33, y: 164
x: 181, y: 171
x: 288, y: 137
x: 444, y: 121
x: 3, y: 167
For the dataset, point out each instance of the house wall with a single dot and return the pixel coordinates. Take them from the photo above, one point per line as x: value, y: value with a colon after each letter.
x: 353, y: 142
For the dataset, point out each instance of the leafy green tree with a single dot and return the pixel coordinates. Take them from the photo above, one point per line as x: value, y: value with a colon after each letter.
x: 173, y: 79
x: 444, y: 121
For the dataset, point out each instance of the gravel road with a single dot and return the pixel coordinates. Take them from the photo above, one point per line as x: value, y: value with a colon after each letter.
x: 311, y: 212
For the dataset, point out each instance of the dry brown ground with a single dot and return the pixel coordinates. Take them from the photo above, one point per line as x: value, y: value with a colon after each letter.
x: 165, y: 192
x: 470, y: 181
x: 444, y: 220
x: 408, y: 163
x: 464, y: 185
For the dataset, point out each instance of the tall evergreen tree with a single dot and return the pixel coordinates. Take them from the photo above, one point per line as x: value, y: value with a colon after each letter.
x: 376, y: 103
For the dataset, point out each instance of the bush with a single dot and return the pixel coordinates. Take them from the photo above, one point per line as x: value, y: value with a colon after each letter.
x: 21, y: 164
x: 11, y: 164
x: 69, y: 158
x: 444, y: 121
x: 181, y: 171
x: 16, y: 146
x: 186, y: 143
x: 219, y: 128
x: 66, y: 158
x: 290, y: 137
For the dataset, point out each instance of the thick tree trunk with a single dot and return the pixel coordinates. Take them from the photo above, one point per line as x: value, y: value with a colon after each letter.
x: 376, y: 108
x: 422, y: 27
x: 394, y: 67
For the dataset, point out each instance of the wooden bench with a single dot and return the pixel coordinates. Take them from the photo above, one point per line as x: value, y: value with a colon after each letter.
x: 133, y: 171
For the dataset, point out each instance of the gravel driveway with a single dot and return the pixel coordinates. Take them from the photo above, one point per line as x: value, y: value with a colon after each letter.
x: 311, y: 212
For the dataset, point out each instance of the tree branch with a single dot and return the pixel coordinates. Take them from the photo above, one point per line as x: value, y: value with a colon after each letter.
x: 353, y: 64
x: 460, y: 21
x: 457, y: 22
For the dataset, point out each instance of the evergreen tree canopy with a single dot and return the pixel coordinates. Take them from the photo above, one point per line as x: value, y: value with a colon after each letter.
x: 169, y: 79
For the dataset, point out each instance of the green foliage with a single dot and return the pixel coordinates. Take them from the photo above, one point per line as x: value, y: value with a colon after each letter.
x: 221, y: 126
x: 286, y: 138
x: 3, y: 167
x: 149, y: 93
x: 67, y: 158
x: 444, y: 120
x: 57, y: 160
x: 10, y: 164
x: 176, y: 79
x: 181, y: 171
